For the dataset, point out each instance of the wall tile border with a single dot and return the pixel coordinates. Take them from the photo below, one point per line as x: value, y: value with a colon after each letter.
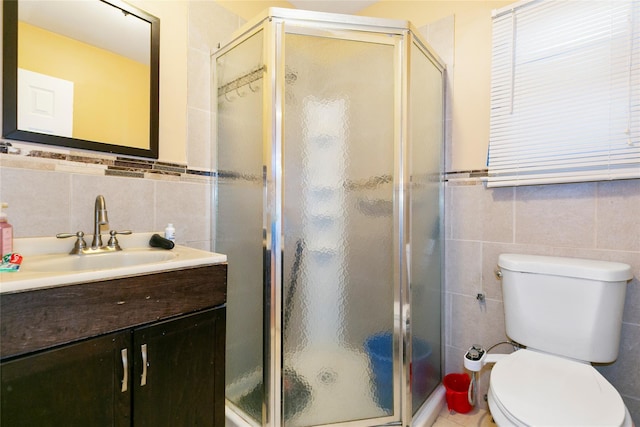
x: 132, y: 167
x: 468, y: 177
x: 97, y: 164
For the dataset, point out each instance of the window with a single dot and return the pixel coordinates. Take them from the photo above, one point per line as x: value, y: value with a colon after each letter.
x: 565, y: 92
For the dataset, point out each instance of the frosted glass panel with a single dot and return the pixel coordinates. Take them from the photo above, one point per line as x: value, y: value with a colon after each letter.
x: 425, y: 148
x: 239, y: 222
x: 338, y: 208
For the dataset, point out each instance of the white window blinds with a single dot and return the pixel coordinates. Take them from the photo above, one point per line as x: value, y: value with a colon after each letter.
x: 565, y: 92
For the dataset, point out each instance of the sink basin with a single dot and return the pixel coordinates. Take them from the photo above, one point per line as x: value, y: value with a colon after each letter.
x: 70, y: 263
x: 47, y: 263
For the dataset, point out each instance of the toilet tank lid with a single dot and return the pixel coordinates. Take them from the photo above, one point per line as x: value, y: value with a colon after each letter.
x: 569, y: 267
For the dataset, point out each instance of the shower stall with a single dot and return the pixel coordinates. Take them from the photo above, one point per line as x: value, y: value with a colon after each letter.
x: 328, y: 204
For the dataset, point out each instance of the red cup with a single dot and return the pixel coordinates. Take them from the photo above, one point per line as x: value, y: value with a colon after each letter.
x: 457, y: 386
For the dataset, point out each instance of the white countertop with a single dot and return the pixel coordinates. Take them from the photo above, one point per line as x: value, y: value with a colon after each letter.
x: 25, y: 280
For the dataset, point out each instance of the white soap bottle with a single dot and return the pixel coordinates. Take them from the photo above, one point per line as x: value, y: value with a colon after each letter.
x: 170, y: 233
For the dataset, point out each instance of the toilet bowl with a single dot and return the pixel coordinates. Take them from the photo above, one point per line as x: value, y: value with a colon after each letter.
x: 529, y: 388
x: 567, y: 312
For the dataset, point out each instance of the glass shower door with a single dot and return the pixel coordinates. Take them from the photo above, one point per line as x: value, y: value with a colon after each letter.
x: 239, y: 218
x: 339, y: 238
x: 328, y: 206
x: 425, y: 207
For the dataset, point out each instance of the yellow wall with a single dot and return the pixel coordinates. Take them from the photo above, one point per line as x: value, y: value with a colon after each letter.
x: 173, y: 17
x: 471, y: 73
x: 247, y: 9
x: 111, y: 92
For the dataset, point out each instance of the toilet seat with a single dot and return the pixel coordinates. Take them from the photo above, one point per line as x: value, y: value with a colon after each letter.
x: 538, y: 389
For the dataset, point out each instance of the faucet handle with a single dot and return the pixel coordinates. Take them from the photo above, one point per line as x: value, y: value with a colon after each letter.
x: 113, y: 241
x: 80, y: 244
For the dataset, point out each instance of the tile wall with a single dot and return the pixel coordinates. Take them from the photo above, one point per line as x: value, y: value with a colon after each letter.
x: 210, y: 26
x: 588, y: 220
x: 50, y: 194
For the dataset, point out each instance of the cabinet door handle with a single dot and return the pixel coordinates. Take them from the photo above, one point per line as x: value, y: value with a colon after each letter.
x: 125, y: 368
x: 143, y: 380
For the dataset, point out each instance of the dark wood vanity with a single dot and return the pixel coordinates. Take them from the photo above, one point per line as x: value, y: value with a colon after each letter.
x: 137, y: 351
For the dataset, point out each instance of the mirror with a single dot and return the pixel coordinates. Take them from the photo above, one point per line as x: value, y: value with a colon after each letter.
x: 81, y: 74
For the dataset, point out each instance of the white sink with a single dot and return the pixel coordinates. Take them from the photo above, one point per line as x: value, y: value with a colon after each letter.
x: 47, y: 263
x: 107, y: 260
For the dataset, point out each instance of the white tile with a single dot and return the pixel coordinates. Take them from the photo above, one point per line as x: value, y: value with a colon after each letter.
x: 618, y: 221
x: 210, y: 24
x: 199, y: 137
x: 476, y: 417
x: 556, y: 215
x: 463, y: 268
x: 478, y: 213
x: 38, y: 201
x: 129, y: 201
x: 187, y: 206
x: 199, y: 80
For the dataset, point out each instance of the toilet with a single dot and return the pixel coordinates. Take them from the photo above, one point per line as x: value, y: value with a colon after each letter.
x: 566, y: 313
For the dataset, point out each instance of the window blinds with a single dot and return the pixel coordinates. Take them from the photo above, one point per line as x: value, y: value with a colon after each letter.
x: 565, y: 92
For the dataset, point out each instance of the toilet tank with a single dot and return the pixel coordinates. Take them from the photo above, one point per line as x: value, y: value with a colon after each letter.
x: 565, y: 306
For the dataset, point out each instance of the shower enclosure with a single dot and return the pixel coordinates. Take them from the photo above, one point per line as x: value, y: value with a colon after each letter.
x: 328, y: 204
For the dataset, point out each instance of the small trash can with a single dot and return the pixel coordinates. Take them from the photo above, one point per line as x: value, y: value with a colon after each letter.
x: 457, y: 386
x: 379, y: 347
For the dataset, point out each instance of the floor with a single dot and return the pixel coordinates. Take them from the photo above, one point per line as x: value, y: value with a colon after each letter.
x: 477, y: 417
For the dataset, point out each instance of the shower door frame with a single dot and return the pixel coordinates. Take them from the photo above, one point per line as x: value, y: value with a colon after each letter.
x: 278, y: 27
x: 413, y: 38
x: 274, y: 25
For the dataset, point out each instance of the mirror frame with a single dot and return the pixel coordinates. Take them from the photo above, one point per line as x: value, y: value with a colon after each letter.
x: 10, y: 88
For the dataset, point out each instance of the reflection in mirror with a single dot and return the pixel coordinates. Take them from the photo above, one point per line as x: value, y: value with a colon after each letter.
x: 81, y: 74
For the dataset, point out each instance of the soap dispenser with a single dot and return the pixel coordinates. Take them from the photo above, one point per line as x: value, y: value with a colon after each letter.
x: 6, y: 232
x: 170, y: 233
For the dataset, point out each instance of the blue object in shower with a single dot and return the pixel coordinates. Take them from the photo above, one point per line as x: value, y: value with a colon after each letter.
x: 379, y: 347
x: 380, y: 351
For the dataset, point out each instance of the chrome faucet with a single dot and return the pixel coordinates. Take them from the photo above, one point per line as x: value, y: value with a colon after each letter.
x: 100, y: 218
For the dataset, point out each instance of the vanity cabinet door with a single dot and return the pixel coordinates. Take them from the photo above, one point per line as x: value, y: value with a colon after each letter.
x: 75, y: 385
x: 179, y: 371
